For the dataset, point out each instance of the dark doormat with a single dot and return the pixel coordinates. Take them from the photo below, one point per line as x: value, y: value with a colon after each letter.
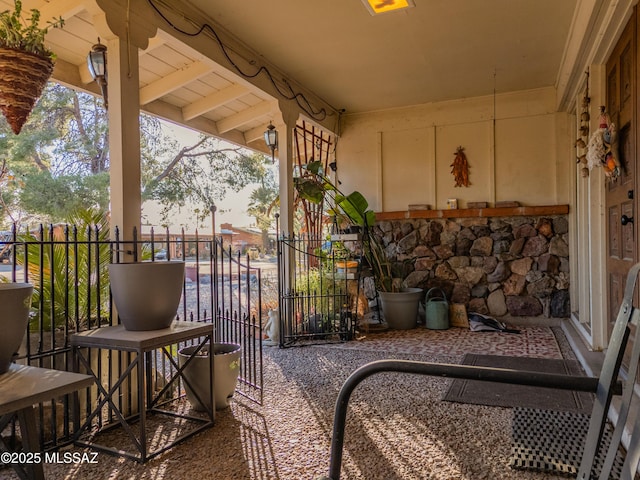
x: 553, y: 442
x: 505, y: 395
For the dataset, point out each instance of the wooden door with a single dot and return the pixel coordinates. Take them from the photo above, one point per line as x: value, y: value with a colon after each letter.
x: 621, y: 192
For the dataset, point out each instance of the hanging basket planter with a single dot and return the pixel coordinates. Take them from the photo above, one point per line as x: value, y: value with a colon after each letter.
x: 23, y: 76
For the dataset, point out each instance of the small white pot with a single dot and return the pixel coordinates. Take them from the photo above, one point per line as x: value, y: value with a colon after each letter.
x: 226, y: 369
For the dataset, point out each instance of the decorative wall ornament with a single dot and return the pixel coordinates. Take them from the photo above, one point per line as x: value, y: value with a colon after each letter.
x: 583, y: 131
x: 602, y: 150
x: 460, y: 168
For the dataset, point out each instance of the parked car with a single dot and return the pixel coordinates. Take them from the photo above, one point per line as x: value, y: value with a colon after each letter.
x: 5, y: 247
x: 161, y: 254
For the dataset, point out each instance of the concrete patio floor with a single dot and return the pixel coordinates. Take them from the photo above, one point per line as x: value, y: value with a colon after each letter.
x: 398, y: 426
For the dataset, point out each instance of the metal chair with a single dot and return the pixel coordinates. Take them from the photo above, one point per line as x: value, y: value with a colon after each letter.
x: 609, y: 383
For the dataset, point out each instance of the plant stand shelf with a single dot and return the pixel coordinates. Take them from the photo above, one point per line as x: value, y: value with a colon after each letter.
x: 143, y: 344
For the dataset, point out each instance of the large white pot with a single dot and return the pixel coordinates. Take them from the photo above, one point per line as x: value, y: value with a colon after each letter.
x: 146, y: 294
x: 15, y: 303
x: 400, y: 309
x: 226, y: 369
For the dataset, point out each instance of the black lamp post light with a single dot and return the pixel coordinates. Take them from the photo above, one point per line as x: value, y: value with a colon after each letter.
x: 271, y: 139
x: 97, y: 63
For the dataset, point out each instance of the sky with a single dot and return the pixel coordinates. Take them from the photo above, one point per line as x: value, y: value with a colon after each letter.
x: 230, y: 210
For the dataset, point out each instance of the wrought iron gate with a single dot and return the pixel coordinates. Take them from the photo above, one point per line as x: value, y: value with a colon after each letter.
x: 68, y: 267
x: 318, y: 291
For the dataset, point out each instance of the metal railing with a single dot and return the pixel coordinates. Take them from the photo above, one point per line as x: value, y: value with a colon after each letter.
x: 69, y: 270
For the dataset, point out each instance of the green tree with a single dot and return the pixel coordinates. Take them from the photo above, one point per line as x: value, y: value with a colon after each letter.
x: 262, y: 203
x: 53, y: 265
x: 200, y: 174
x: 60, y: 162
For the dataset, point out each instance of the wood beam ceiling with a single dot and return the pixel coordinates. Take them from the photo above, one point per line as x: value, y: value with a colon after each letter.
x: 173, y: 81
x: 245, y: 116
x: 213, y: 101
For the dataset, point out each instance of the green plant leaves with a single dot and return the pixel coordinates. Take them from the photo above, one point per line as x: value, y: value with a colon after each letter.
x: 29, y: 38
x: 356, y: 207
x: 309, y: 189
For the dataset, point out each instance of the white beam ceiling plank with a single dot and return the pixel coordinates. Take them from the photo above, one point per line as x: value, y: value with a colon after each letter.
x: 59, y: 8
x: 254, y: 134
x: 213, y: 101
x: 85, y: 75
x: 173, y: 81
x: 154, y: 43
x: 244, y: 117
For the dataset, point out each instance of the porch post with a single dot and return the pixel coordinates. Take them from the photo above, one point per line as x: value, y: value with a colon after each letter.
x: 115, y: 24
x: 124, y: 138
x: 285, y: 159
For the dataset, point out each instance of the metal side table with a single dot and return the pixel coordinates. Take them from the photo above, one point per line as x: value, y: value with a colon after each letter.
x: 20, y: 389
x: 143, y: 344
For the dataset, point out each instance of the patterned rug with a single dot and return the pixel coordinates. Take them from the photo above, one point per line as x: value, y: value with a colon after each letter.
x: 538, y: 342
x: 548, y: 441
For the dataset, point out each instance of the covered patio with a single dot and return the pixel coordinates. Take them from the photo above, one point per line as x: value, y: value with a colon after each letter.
x: 536, y: 235
x: 391, y: 96
x: 399, y: 427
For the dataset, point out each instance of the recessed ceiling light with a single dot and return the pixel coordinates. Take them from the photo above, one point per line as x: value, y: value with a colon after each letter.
x: 383, y: 6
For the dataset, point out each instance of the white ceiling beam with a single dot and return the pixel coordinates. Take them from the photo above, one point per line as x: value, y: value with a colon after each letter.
x: 255, y: 134
x: 245, y: 116
x: 213, y: 101
x: 173, y: 81
x: 60, y: 8
x: 154, y: 43
x: 85, y: 75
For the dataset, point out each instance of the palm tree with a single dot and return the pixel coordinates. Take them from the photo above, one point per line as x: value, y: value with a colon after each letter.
x: 261, y: 206
x: 71, y: 283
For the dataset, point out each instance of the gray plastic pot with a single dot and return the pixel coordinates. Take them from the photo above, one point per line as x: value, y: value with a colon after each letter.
x: 146, y: 294
x: 15, y: 303
x: 400, y: 309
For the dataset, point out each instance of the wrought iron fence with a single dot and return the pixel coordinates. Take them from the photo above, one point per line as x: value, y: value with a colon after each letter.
x: 318, y: 291
x: 69, y: 270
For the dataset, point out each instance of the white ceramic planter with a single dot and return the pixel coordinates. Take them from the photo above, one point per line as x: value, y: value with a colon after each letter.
x: 400, y: 309
x: 226, y: 369
x: 146, y: 294
x: 15, y: 303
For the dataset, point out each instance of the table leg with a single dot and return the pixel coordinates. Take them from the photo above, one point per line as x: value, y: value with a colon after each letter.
x: 30, y: 443
x: 142, y: 406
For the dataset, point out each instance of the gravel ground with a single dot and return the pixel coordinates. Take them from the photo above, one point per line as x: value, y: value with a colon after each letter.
x: 397, y: 428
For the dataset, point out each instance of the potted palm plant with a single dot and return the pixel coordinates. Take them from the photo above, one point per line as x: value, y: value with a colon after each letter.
x: 25, y: 63
x: 399, y: 304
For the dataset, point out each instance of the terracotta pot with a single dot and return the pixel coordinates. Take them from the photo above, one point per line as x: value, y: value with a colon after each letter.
x: 146, y: 294
x: 15, y: 303
x: 226, y: 369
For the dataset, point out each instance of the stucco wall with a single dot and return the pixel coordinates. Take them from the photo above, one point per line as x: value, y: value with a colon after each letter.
x: 403, y: 156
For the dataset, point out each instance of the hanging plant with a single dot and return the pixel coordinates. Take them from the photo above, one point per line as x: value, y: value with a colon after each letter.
x: 25, y: 63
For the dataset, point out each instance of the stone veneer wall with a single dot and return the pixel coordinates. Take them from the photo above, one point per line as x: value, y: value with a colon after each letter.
x: 516, y: 266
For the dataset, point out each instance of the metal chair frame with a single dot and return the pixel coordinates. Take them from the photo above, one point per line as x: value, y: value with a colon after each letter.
x: 609, y: 383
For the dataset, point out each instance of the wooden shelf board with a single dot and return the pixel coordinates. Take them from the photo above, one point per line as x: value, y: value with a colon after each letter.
x: 475, y: 212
